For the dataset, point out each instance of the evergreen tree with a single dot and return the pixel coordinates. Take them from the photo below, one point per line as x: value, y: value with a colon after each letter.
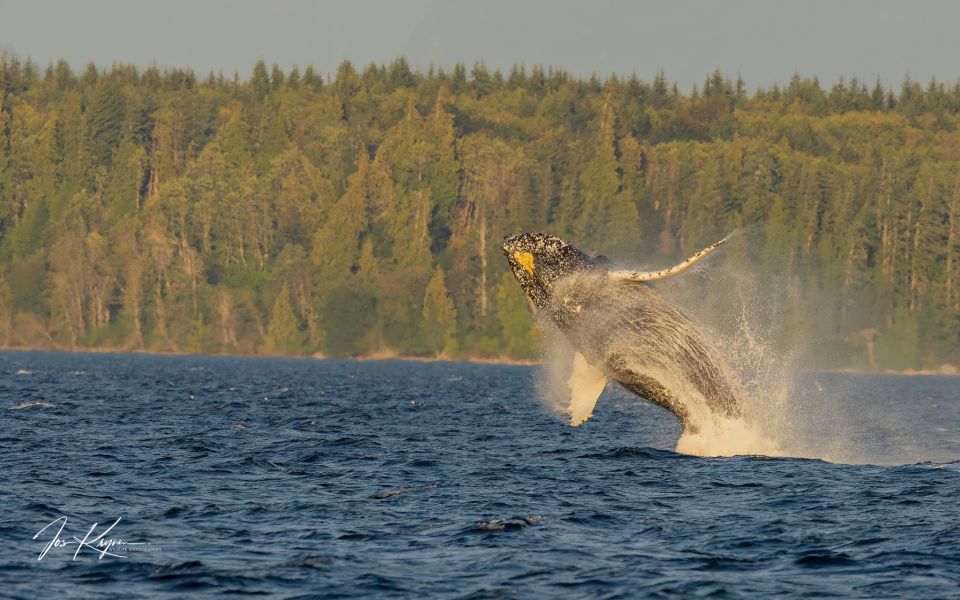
x: 150, y: 210
x: 284, y: 335
x: 438, y: 325
x: 516, y: 327
x: 105, y: 119
x: 260, y: 81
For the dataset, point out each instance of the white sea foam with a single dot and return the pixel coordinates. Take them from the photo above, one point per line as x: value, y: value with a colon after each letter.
x: 30, y: 404
x: 728, y: 437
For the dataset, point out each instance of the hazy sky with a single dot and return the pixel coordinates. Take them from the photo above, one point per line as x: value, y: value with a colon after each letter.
x: 765, y: 40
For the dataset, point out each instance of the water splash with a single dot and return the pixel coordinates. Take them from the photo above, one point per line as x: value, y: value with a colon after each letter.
x: 714, y: 433
x: 727, y: 317
x: 552, y: 382
x: 728, y: 437
x: 752, y: 328
x: 730, y: 310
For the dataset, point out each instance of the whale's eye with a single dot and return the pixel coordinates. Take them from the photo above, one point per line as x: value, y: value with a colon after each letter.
x: 525, y: 260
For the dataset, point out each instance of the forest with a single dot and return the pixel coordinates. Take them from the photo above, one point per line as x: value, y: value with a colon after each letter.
x: 360, y: 213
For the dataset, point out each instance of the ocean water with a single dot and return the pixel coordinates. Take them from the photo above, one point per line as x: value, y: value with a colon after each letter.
x: 290, y: 478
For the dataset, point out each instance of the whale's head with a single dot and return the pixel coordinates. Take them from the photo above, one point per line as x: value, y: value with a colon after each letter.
x: 539, y: 260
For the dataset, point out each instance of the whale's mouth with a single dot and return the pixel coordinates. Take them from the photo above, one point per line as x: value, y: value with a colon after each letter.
x: 511, y: 244
x: 516, y: 256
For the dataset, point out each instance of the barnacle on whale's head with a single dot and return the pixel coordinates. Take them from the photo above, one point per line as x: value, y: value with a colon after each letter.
x: 538, y: 260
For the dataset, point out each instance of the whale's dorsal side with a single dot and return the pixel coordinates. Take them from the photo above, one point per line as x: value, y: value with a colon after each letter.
x: 622, y: 275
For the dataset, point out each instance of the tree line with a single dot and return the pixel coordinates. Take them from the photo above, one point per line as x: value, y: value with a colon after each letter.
x: 361, y: 212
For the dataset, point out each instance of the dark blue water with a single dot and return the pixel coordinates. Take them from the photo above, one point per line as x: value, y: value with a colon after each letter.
x: 300, y: 478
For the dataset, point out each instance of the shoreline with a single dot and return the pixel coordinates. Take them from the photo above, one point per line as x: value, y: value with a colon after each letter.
x: 377, y: 356
x: 897, y: 372
x: 383, y: 356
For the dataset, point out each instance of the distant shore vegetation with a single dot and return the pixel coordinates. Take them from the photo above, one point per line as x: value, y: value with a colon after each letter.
x: 360, y: 212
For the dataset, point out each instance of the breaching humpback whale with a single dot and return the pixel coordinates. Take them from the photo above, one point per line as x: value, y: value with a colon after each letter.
x: 622, y: 329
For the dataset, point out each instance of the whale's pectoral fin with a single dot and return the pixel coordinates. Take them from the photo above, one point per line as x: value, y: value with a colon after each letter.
x: 586, y: 383
x: 641, y: 276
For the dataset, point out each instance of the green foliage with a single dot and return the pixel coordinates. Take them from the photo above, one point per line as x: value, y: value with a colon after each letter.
x: 438, y: 325
x: 284, y: 215
x: 284, y: 335
x: 105, y: 119
x: 26, y: 279
x: 349, y: 318
x: 516, y: 328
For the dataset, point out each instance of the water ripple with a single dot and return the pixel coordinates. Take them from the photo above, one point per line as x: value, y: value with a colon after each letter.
x: 298, y: 478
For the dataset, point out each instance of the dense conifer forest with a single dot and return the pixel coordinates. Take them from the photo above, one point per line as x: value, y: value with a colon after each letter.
x: 360, y: 212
